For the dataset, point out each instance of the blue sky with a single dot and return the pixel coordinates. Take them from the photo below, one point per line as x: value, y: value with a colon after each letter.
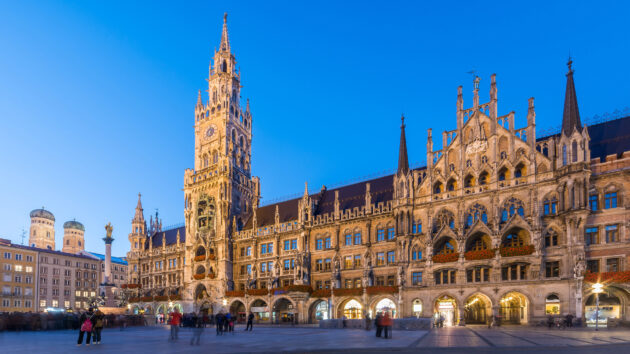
x: 97, y: 98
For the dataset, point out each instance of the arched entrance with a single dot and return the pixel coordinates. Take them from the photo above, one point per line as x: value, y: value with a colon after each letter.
x: 514, y: 308
x: 445, y: 310
x: 260, y: 309
x: 477, y: 309
x: 148, y: 309
x: 609, y: 307
x: 206, y: 308
x: 352, y: 309
x: 318, y: 311
x: 237, y: 310
x: 283, y: 312
x: 385, y: 305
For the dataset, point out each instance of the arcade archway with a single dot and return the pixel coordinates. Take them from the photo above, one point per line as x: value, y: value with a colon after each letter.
x: 260, y: 309
x: 609, y: 307
x: 514, y: 308
x: 352, y: 309
x: 283, y: 312
x: 318, y: 311
x: 477, y: 309
x: 385, y: 305
x: 445, y: 311
x: 237, y: 310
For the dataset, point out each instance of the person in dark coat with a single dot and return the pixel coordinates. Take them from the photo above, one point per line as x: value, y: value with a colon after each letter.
x: 378, y: 322
x: 99, y: 321
x: 85, y: 326
x: 250, y: 321
x: 219, y: 323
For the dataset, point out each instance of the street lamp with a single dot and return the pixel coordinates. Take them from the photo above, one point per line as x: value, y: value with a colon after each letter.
x: 598, y: 288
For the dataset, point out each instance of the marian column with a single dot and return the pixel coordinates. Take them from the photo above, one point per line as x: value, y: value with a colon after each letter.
x: 107, y: 286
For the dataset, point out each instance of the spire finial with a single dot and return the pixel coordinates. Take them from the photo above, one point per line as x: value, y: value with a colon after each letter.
x: 402, y: 119
x: 571, y: 115
x: 225, y: 17
x: 570, y: 64
x: 403, y: 161
x: 225, y: 42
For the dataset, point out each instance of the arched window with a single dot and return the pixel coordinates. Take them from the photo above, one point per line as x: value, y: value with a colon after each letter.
x: 233, y: 136
x: 476, y: 212
x: 205, y: 160
x: 504, y: 174
x: 550, y: 206
x: 469, y: 181
x: 564, y: 155
x: 416, y: 254
x: 484, y: 159
x: 483, y: 178
x: 552, y: 305
x: 451, y: 185
x: 511, y: 207
x: 551, y: 238
x: 574, y: 148
x: 224, y: 66
x: 520, y: 171
x: 438, y: 188
x: 446, y: 246
x: 215, y: 157
x: 515, y: 238
x: 444, y: 219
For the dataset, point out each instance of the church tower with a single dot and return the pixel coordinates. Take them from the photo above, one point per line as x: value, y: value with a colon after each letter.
x: 136, y: 239
x: 219, y: 190
x: 73, y: 237
x: 42, y: 232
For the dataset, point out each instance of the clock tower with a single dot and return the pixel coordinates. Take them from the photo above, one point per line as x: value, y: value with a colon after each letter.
x: 218, y: 192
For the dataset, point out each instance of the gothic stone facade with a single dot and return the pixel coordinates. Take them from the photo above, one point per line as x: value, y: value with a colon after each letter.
x: 498, y: 222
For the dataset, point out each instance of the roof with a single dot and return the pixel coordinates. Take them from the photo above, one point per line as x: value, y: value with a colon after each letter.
x: 350, y: 196
x: 608, y: 138
x: 42, y: 213
x: 571, y: 114
x: 73, y: 224
x: 59, y: 253
x: 171, y: 237
x: 118, y: 260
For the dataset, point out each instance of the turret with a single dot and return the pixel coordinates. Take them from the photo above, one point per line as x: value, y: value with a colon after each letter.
x: 42, y: 232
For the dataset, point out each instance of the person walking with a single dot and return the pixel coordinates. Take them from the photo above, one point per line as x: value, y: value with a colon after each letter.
x: 344, y: 321
x: 378, y: 322
x: 387, y: 325
x: 231, y: 323
x: 226, y: 322
x: 198, y: 326
x: 250, y: 321
x: 219, y: 323
x: 99, y: 321
x: 175, y: 320
x: 550, y: 321
x: 569, y: 320
x: 85, y: 327
x: 368, y: 321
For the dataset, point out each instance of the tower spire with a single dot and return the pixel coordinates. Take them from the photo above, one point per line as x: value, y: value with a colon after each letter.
x: 139, y: 217
x: 403, y: 162
x: 571, y: 115
x: 225, y: 41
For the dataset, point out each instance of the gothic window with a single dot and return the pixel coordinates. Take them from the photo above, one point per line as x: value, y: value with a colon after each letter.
x: 593, y: 201
x: 233, y: 136
x: 483, y: 178
x: 551, y: 238
x: 451, y: 167
x: 574, y: 148
x: 224, y: 66
x: 215, y: 157
x: 205, y: 160
x: 504, y: 174
x: 516, y: 238
x: 610, y: 200
x: 478, y: 243
x: 438, y: 188
x: 484, y: 159
x: 520, y: 171
x: 469, y: 181
x: 444, y: 218
x: 416, y: 254
x: 468, y: 163
x: 446, y: 246
x: 511, y: 207
x: 205, y: 212
x: 503, y: 155
x: 550, y: 206
x: 476, y: 212
x: 245, y: 122
x: 564, y: 155
x: 451, y: 185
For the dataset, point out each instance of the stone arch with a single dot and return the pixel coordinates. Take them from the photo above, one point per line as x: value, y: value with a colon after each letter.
x: 469, y: 180
x: 515, y: 307
x: 200, y: 292
x: 451, y: 184
x: 446, y: 309
x: 445, y: 245
x: 478, y: 240
x: 478, y: 308
x: 438, y: 187
x: 520, y: 170
x: 380, y: 302
x: 444, y: 217
x: 201, y: 251
x: 200, y: 269
x: 283, y: 310
x: 516, y: 237
x: 238, y: 310
x: 318, y: 310
x: 351, y: 307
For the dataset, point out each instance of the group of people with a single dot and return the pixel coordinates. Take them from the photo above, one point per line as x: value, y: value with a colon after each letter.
x: 560, y: 322
x: 383, y: 323
x: 91, y: 323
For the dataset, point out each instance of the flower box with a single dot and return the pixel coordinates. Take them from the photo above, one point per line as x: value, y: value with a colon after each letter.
x: 348, y: 292
x: 175, y: 297
x: 607, y: 277
x: 321, y: 293
x: 257, y: 292
x: 211, y: 257
x: 134, y: 299
x: 146, y: 298
x: 235, y: 293
x: 199, y: 276
x: 480, y: 254
x: 200, y: 258
x: 445, y: 258
x: 517, y: 251
x: 299, y: 288
x: 161, y: 298
x: 373, y: 290
x: 211, y: 275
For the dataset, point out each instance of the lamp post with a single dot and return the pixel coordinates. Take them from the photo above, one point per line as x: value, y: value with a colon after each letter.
x: 597, y: 289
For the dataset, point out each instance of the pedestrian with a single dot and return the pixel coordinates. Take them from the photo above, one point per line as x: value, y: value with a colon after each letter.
x: 198, y: 326
x: 226, y: 322
x: 378, y: 322
x: 250, y: 321
x: 206, y: 320
x: 344, y: 321
x: 98, y: 320
x: 85, y: 327
x: 550, y: 321
x: 387, y: 325
x: 569, y: 320
x: 218, y: 319
x: 368, y: 321
x: 175, y: 320
x: 231, y: 324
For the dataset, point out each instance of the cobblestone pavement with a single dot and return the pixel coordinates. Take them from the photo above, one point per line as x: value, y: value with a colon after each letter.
x: 470, y: 339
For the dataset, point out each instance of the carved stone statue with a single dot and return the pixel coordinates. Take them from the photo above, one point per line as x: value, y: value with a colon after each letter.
x: 401, y: 276
x: 578, y: 269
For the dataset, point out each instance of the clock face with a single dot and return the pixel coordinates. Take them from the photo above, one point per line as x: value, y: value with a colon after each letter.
x: 210, y: 132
